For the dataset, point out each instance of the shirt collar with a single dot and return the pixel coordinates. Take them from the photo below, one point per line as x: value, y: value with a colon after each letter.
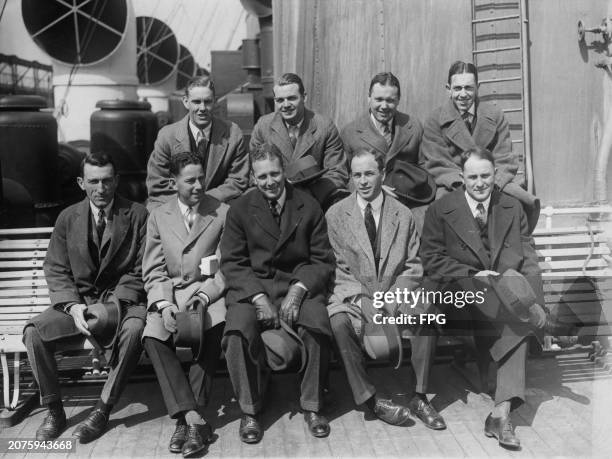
x: 195, y: 130
x: 473, y: 203
x: 283, y: 197
x: 183, y: 207
x: 376, y: 204
x: 95, y: 211
x: 378, y: 125
x: 294, y: 126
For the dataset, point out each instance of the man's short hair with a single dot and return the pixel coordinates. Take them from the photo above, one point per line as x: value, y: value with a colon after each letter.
x: 202, y: 81
x: 266, y: 151
x: 181, y: 160
x: 291, y: 78
x: 378, y: 157
x: 385, y: 79
x: 99, y: 159
x: 459, y: 67
x: 477, y: 152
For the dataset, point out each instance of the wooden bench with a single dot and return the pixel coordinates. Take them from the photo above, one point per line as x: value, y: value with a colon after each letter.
x: 23, y: 294
x: 577, y: 274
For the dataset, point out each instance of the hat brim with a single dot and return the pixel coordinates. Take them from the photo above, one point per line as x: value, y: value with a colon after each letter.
x: 108, y: 341
x: 310, y: 178
x: 393, y: 339
x: 288, y: 333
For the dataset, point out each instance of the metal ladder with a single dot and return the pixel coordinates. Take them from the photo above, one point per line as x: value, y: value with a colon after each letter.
x: 500, y: 52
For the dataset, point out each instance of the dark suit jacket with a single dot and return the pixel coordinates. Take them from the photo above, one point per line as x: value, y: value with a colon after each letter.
x: 446, y: 136
x: 318, y: 137
x: 452, y: 252
x: 361, y: 134
x: 258, y: 257
x: 227, y: 168
x: 73, y: 275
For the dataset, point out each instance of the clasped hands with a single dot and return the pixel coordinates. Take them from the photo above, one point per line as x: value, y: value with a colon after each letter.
x: 169, y: 312
x: 270, y: 316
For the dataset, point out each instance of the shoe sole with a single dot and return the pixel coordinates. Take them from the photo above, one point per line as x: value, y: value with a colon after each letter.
x: 194, y: 452
x: 175, y: 450
x: 505, y: 445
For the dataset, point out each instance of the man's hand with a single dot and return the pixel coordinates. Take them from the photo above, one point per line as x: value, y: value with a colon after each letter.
x: 390, y: 191
x: 266, y: 312
x: 169, y: 317
x: 192, y: 303
x: 486, y: 273
x: 77, y: 311
x: 290, y: 307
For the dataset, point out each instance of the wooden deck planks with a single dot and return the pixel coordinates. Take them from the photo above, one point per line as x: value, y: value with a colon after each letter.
x: 560, y: 418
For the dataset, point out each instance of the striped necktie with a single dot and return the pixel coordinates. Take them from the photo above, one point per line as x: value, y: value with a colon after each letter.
x: 101, y: 224
x: 481, y: 216
x: 190, y: 217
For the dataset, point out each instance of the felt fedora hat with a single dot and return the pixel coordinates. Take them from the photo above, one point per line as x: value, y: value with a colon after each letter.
x: 414, y: 186
x: 103, y: 320
x: 303, y: 170
x: 383, y: 342
x: 284, y: 348
x: 514, y: 291
x: 190, y: 327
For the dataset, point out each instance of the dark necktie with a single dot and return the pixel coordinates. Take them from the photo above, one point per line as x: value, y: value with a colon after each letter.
x: 370, y: 225
x: 101, y: 224
x: 203, y: 150
x: 467, y: 119
x: 275, y: 211
x: 481, y: 217
x: 293, y: 135
x: 387, y: 134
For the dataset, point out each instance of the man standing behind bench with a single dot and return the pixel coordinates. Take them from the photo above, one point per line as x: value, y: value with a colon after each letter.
x: 93, y: 263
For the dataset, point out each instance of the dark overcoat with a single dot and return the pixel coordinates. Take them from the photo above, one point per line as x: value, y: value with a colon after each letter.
x: 258, y: 257
x: 452, y: 252
x: 73, y: 275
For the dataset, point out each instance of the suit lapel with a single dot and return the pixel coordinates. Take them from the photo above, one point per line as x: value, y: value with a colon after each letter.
x: 307, y: 136
x: 369, y: 135
x: 280, y: 136
x: 457, y: 132
x: 81, y: 233
x: 260, y: 211
x: 181, y: 136
x: 175, y: 221
x: 404, y: 131
x: 486, y: 126
x: 461, y: 221
x: 119, y: 229
x: 500, y: 221
x: 291, y: 217
x: 390, y: 221
x: 357, y: 227
x: 201, y: 222
x: 217, y: 149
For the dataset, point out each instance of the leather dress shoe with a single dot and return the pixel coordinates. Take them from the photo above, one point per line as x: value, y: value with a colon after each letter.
x: 250, y: 430
x: 422, y: 409
x: 390, y: 412
x: 92, y: 427
x: 317, y: 424
x: 177, y: 440
x: 198, y: 436
x: 503, y: 430
x: 52, y: 426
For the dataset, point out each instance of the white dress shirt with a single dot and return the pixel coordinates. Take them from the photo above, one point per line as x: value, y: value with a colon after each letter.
x: 198, y: 133
x: 473, y: 204
x: 376, y: 206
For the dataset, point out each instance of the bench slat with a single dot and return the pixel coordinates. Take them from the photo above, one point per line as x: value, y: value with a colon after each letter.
x: 21, y: 301
x: 574, y: 251
x: 565, y: 230
x: 570, y: 264
x: 23, y: 283
x: 571, y: 239
x: 7, y: 310
x: 31, y: 273
x: 21, y: 264
x: 21, y: 231
x: 37, y: 292
x: 23, y: 254
x: 575, y: 274
x: 18, y: 244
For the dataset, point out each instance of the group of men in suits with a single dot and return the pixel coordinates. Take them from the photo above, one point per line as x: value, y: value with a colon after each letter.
x: 284, y: 281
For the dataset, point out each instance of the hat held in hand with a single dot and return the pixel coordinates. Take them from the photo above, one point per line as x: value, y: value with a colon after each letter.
x: 515, y: 293
x: 103, y: 320
x: 284, y: 348
x: 190, y: 327
x: 414, y: 186
x: 303, y: 170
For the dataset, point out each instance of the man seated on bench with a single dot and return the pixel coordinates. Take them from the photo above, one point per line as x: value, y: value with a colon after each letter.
x: 180, y: 273
x: 376, y: 244
x: 94, y: 260
x: 476, y: 241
